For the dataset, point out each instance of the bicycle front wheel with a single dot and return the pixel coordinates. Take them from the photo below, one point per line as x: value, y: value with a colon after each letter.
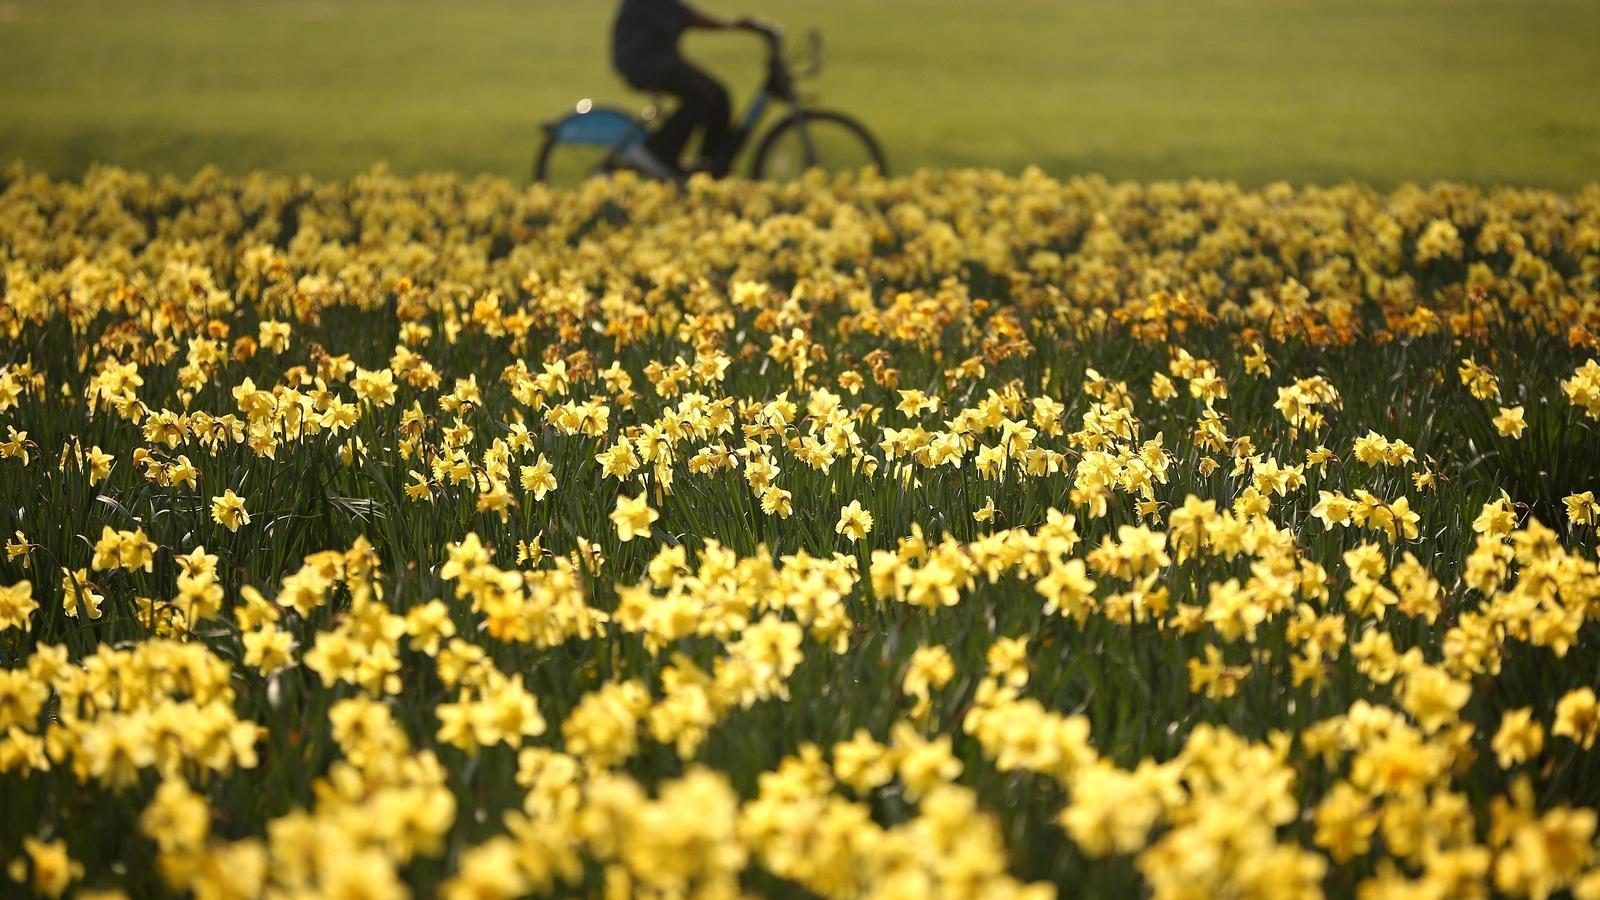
x: 816, y: 139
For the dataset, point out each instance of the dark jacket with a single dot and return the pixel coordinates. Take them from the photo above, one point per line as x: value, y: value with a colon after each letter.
x: 644, y: 39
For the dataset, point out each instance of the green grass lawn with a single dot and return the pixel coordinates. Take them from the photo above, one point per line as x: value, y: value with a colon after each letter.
x: 1384, y: 91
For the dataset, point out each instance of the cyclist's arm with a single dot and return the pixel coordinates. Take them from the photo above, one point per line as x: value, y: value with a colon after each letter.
x: 712, y: 22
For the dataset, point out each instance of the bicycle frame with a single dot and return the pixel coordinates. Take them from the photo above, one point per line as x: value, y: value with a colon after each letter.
x: 752, y: 117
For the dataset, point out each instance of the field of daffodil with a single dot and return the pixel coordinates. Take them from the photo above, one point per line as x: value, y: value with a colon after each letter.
x: 953, y: 535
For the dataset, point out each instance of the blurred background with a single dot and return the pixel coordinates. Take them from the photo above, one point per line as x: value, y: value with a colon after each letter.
x: 1385, y: 91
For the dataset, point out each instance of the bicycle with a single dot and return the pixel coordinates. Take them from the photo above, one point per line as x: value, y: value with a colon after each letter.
x: 591, y: 140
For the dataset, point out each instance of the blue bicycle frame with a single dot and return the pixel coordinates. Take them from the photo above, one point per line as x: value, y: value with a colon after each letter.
x: 615, y: 129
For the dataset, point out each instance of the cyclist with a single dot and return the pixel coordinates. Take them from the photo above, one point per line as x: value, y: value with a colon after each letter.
x: 644, y: 49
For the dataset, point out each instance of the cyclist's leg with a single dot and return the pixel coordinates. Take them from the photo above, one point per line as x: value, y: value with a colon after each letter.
x: 716, y: 136
x: 669, y: 138
x: 702, y: 102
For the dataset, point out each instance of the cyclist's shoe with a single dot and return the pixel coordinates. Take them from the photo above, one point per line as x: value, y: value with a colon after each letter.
x: 639, y: 157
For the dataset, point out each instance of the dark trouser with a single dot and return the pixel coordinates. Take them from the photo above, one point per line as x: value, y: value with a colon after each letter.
x: 702, y: 103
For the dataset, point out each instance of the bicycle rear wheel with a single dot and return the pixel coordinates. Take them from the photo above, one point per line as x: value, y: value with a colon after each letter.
x: 564, y: 164
x: 816, y: 139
